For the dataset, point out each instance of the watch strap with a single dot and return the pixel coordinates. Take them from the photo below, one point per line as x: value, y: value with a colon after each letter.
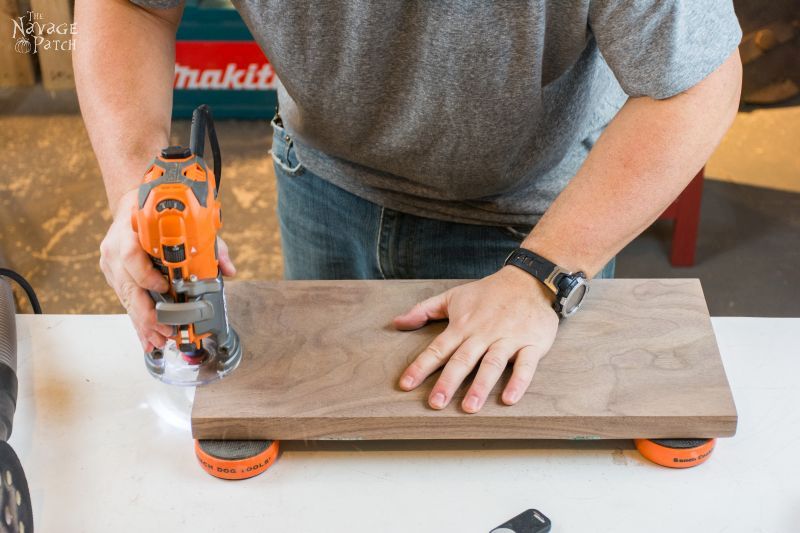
x: 535, y: 265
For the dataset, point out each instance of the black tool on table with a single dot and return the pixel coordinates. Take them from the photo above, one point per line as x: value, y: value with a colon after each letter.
x: 530, y: 521
x: 16, y: 514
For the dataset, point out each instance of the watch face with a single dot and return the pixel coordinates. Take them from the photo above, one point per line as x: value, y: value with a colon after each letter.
x: 574, y: 298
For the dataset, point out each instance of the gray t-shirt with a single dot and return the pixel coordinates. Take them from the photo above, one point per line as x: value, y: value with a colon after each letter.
x: 473, y: 111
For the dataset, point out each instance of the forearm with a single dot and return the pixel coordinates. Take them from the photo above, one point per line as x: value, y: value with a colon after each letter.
x: 124, y: 67
x: 639, y: 165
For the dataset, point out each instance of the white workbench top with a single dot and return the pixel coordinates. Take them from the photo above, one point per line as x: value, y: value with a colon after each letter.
x: 108, y: 448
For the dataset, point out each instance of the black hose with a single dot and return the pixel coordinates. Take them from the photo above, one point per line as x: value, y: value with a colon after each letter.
x: 7, y: 272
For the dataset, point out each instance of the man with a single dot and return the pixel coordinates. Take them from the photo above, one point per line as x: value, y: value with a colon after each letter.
x: 426, y: 139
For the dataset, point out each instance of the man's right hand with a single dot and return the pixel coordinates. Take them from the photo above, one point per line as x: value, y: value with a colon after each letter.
x: 130, y: 273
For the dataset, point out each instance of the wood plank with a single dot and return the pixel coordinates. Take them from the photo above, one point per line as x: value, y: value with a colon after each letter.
x: 56, y: 64
x: 322, y: 362
x: 16, y: 65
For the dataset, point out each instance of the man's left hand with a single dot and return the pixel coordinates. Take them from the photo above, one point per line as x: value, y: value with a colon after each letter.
x: 507, y: 316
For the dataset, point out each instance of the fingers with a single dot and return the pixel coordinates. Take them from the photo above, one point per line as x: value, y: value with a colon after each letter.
x: 430, y: 359
x: 137, y: 304
x: 491, y: 323
x: 464, y: 358
x: 524, y: 368
x: 224, y: 258
x: 129, y: 271
x: 431, y: 309
x: 137, y: 310
x: 141, y: 309
x: 143, y: 312
x: 492, y: 367
x: 140, y: 268
x: 151, y: 340
x: 456, y: 370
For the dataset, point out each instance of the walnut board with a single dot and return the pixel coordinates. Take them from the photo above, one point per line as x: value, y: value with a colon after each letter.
x: 321, y: 361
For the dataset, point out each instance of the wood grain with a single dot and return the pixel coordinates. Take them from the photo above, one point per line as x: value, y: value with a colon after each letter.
x: 322, y: 362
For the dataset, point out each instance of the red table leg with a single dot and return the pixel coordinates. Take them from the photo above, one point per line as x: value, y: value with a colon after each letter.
x: 685, y: 211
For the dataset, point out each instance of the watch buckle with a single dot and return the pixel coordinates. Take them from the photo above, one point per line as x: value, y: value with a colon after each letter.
x: 550, y: 280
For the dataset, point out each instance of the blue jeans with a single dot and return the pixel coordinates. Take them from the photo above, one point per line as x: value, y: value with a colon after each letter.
x: 329, y: 233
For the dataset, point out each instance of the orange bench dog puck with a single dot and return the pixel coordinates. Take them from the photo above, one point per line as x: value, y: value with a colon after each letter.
x: 676, y: 453
x: 236, y: 459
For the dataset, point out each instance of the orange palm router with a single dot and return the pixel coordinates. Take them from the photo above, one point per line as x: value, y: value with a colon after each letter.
x: 177, y: 220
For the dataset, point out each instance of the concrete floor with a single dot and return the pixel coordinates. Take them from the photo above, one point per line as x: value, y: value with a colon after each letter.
x: 53, y: 213
x: 748, y: 251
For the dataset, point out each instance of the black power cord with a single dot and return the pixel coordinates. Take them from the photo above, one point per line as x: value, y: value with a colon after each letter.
x: 202, y: 117
x: 7, y: 272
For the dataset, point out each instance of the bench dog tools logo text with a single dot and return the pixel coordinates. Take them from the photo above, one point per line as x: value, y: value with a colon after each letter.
x: 32, y: 33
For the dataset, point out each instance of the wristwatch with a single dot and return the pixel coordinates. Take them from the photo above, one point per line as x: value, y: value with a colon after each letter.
x: 569, y: 288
